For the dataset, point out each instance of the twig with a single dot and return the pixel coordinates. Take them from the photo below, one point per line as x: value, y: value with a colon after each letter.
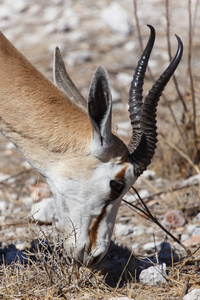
x: 190, y: 40
x: 138, y: 25
x: 145, y: 210
x: 16, y: 175
x: 170, y: 55
x: 151, y: 75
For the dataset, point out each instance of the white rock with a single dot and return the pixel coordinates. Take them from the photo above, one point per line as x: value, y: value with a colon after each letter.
x: 116, y: 18
x: 123, y: 128
x: 28, y: 202
x: 9, y: 7
x: 51, y: 14
x: 3, y: 177
x: 68, y: 23
x: 135, y: 247
x: 193, y: 180
x: 10, y: 146
x: 130, y: 46
x: 198, y: 217
x: 196, y: 231
x: 3, y: 206
x: 18, y: 5
x: 26, y: 165
x: 44, y: 211
x: 193, y: 295
x: 124, y: 79
x: 151, y: 246
x: 115, y: 95
x: 149, y: 174
x: 184, y: 237
x: 153, y: 275
x: 138, y: 230
x: 122, y: 229
x: 190, y: 228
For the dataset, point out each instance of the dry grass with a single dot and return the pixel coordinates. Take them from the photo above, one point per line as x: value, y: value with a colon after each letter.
x: 52, y: 276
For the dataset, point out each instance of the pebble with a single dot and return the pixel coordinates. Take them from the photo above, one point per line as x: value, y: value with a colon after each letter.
x: 4, y: 205
x: 124, y: 79
x: 153, y: 275
x: 198, y: 217
x: 196, y: 231
x: 193, y: 241
x: 151, y: 246
x: 193, y: 295
x: 174, y: 219
x: 28, y: 202
x: 122, y: 229
x: 44, y: 211
x: 193, y: 180
x: 116, y: 18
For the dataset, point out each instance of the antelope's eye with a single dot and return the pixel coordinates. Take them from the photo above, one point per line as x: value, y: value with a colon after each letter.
x: 116, y: 186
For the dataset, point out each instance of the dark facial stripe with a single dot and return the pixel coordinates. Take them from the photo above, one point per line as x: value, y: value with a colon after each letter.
x: 96, y: 222
x: 95, y: 226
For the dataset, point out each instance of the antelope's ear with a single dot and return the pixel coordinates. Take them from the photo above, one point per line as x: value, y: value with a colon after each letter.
x: 64, y: 82
x: 100, y: 112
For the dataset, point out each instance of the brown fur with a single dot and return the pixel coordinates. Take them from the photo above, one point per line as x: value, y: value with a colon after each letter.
x: 35, y: 114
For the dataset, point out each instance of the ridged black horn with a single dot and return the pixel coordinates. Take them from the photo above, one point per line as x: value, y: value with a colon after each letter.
x: 135, y: 93
x: 142, y: 153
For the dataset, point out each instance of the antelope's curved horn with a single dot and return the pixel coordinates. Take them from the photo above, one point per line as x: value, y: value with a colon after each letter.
x: 135, y: 93
x: 144, y: 126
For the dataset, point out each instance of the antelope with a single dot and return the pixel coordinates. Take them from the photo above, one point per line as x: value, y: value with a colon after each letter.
x: 70, y: 141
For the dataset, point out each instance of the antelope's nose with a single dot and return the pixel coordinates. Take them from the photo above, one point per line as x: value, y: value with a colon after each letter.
x: 93, y: 261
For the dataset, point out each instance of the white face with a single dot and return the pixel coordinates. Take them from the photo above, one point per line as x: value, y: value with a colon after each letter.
x: 87, y: 205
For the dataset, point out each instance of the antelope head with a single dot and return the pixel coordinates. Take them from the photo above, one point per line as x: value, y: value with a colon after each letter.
x: 70, y: 141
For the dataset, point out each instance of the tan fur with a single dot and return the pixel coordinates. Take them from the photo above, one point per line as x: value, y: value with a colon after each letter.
x: 35, y: 114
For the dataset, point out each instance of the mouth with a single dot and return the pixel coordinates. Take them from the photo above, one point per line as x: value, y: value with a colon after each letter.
x: 93, y: 261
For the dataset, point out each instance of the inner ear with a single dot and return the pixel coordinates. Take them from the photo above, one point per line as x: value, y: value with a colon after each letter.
x: 99, y: 101
x: 100, y: 104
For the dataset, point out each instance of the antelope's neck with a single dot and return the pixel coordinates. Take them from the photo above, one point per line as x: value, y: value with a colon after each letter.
x: 35, y: 115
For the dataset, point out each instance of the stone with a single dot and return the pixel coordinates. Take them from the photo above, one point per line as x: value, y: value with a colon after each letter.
x: 193, y: 241
x: 28, y: 202
x: 193, y: 295
x: 196, y: 231
x: 116, y: 18
x: 174, y: 218
x: 3, y: 206
x: 44, y: 211
x: 122, y: 229
x: 153, y: 275
x: 151, y: 246
x: 124, y: 79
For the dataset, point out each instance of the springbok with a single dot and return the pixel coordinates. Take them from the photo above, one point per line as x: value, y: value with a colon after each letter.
x: 70, y: 142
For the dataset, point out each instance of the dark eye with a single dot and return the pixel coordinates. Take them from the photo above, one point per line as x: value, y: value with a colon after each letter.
x: 116, y: 186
